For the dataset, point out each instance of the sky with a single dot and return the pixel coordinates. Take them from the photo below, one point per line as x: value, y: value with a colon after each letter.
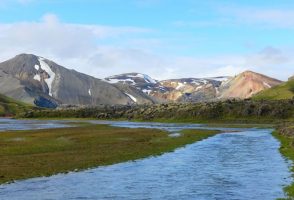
x: 162, y: 38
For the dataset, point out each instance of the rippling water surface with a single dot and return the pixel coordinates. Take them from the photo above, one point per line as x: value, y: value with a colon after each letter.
x: 13, y: 124
x: 243, y: 165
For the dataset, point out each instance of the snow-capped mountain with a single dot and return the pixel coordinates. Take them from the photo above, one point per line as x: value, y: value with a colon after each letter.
x: 241, y: 86
x: 131, y: 79
x: 193, y: 89
x: 185, y: 89
x: 142, y: 82
x: 39, y: 81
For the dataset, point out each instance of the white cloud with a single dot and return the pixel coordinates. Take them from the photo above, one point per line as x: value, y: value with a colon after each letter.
x: 102, y: 51
x: 268, y: 56
x: 266, y: 17
x: 239, y: 16
x: 56, y: 40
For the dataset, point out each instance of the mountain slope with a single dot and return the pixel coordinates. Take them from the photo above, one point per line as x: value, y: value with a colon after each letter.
x: 131, y: 79
x: 246, y: 84
x: 282, y: 91
x: 10, y: 107
x: 39, y: 81
x: 36, y: 80
x: 192, y: 89
x: 180, y: 90
x: 242, y: 86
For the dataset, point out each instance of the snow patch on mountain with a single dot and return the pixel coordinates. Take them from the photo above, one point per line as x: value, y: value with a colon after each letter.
x: 149, y: 79
x: 198, y: 88
x: 147, y: 91
x: 37, y: 77
x: 195, y: 82
x: 180, y: 85
x: 49, y: 81
x: 132, y: 78
x: 112, y: 80
x: 266, y: 84
x: 124, y: 81
x: 220, y: 78
x: 131, y: 97
x: 204, y: 81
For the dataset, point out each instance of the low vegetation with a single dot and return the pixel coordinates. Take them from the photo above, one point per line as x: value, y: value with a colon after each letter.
x: 10, y: 107
x: 282, y: 91
x: 285, y: 134
x: 26, y: 154
x: 222, y: 111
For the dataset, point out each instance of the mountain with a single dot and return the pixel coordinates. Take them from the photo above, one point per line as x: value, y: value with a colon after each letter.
x: 242, y: 86
x: 135, y: 79
x: 180, y: 90
x: 141, y: 82
x: 37, y: 80
x: 192, y: 89
x: 246, y: 84
x: 282, y: 91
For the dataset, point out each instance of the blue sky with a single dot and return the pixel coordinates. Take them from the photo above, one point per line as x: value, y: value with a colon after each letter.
x: 163, y: 38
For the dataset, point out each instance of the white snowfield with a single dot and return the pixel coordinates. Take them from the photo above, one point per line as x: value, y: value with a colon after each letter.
x: 129, y: 78
x: 266, y: 84
x: 180, y: 85
x: 131, y: 97
x: 149, y: 79
x: 121, y: 80
x: 147, y: 91
x: 199, y: 87
x: 49, y: 81
x: 37, y: 77
x: 221, y: 79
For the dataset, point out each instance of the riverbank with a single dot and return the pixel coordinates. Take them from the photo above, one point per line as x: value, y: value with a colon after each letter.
x: 285, y: 134
x: 27, y: 154
x: 248, y: 111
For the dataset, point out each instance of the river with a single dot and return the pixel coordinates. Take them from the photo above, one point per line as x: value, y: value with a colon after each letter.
x: 233, y: 165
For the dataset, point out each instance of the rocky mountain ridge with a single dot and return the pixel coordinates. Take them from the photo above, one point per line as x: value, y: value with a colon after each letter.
x: 42, y: 82
x: 37, y: 80
x: 242, y: 86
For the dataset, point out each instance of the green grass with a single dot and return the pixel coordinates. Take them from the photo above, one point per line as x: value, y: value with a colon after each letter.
x: 283, y: 91
x: 10, y: 107
x: 26, y: 154
x: 287, y: 150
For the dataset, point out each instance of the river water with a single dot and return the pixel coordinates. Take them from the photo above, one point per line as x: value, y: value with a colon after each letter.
x: 233, y: 165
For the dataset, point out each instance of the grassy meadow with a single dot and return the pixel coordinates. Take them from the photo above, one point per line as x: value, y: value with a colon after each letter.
x: 282, y: 91
x: 27, y: 154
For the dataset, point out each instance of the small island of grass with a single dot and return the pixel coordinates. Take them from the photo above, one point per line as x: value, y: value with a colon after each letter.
x: 35, y: 153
